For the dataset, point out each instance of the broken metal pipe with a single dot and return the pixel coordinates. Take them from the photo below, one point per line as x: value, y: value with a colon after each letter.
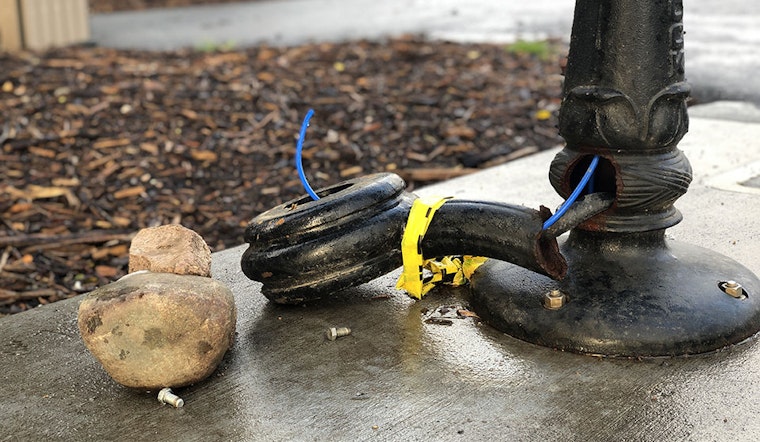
x: 304, y: 250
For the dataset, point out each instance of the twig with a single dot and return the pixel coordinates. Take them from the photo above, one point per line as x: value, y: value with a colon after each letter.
x: 9, y: 296
x: 4, y: 258
x: 53, y: 241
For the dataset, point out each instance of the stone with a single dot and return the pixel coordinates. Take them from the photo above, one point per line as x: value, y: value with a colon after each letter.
x: 170, y: 249
x: 155, y: 330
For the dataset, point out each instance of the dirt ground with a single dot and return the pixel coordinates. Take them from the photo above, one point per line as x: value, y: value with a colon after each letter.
x: 97, y: 143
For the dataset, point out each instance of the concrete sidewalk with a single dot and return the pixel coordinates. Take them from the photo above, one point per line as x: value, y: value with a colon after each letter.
x: 722, y: 36
x: 399, y: 378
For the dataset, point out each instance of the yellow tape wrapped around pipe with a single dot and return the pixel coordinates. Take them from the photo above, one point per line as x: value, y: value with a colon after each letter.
x: 454, y: 270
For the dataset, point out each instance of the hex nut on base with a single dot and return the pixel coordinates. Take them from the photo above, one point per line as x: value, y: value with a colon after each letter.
x: 554, y: 299
x: 734, y: 289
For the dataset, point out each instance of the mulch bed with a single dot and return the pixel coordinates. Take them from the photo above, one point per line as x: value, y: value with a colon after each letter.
x: 97, y: 143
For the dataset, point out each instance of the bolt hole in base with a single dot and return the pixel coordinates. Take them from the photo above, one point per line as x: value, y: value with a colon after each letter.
x: 633, y: 295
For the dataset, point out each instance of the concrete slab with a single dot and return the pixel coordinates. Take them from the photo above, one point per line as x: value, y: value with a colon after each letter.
x: 398, y: 378
x: 728, y: 110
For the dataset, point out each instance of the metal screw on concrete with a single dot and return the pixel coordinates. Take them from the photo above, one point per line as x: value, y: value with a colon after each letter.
x: 334, y: 333
x: 554, y: 299
x: 733, y: 288
x: 166, y: 396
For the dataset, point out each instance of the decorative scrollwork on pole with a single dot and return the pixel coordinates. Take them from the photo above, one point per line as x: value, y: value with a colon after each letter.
x: 625, y: 100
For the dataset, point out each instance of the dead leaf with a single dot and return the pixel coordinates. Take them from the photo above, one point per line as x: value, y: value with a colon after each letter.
x: 129, y: 192
x: 110, y: 143
x: 66, y: 182
x: 107, y: 272
x: 20, y: 207
x: 204, y: 155
x: 266, y: 77
x: 466, y: 313
x: 188, y: 113
x: 33, y: 192
x: 355, y: 170
x: 119, y: 250
x: 465, y: 132
x: 42, y: 152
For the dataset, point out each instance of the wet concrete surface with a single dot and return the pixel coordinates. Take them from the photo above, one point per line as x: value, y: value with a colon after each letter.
x: 397, y: 377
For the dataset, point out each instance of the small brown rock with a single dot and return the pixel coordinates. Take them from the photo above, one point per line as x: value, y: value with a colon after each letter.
x: 170, y: 249
x: 154, y: 330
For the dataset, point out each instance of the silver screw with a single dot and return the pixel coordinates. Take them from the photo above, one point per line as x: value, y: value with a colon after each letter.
x: 733, y: 288
x: 334, y: 333
x: 166, y: 396
x: 554, y: 299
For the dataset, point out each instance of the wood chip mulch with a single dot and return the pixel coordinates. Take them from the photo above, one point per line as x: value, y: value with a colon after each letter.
x: 97, y: 143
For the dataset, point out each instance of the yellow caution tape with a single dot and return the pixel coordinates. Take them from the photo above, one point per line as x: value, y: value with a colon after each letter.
x: 420, y: 215
x: 454, y: 270
x: 470, y: 264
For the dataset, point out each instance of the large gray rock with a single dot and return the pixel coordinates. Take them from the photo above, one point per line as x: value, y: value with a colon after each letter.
x: 154, y: 330
x: 170, y: 249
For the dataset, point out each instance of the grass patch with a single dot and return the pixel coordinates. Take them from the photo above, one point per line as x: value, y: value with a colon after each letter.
x: 211, y: 46
x: 541, y: 49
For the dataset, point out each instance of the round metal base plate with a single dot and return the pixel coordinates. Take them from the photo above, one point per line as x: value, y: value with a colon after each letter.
x: 632, y: 295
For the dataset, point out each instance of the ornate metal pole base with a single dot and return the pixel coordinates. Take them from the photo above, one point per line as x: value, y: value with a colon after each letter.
x: 625, y: 295
x: 628, y: 291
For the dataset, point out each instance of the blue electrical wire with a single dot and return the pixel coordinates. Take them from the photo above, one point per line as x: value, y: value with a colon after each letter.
x: 299, y: 159
x: 576, y: 193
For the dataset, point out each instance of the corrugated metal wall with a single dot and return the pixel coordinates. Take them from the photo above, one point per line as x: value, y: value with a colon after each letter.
x: 42, y: 24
